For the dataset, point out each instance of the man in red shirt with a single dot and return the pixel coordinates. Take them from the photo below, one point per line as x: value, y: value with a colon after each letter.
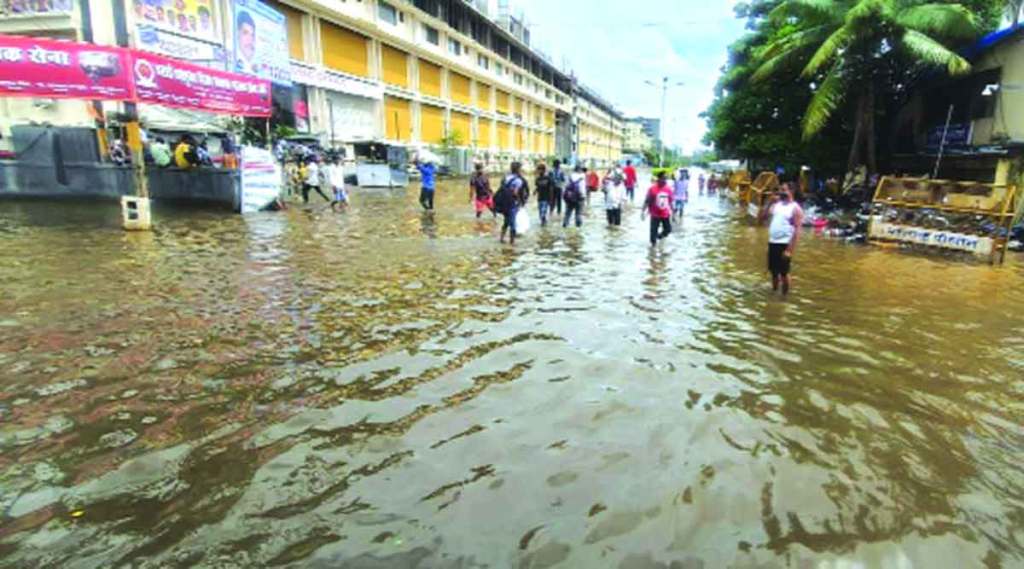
x: 630, y: 173
x: 659, y: 205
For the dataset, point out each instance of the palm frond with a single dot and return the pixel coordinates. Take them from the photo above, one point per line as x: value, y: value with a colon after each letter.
x: 940, y: 20
x: 828, y: 50
x: 933, y: 53
x: 829, y: 96
x: 786, y: 50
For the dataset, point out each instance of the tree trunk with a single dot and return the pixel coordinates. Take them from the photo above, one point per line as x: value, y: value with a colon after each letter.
x: 869, y: 129
x: 858, y: 136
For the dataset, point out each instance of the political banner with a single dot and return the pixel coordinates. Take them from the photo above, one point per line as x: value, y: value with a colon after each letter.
x: 261, y: 42
x: 192, y: 18
x: 35, y: 7
x: 36, y: 67
x: 261, y: 179
x: 163, y: 81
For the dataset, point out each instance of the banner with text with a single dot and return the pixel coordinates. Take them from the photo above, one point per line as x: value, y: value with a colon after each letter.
x: 261, y: 179
x: 192, y: 18
x: 36, y: 67
x: 164, y: 81
x: 932, y: 237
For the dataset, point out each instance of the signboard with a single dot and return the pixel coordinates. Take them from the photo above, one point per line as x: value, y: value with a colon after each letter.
x: 261, y: 179
x: 315, y: 76
x: 261, y: 42
x: 159, y: 41
x: 192, y: 18
x: 932, y: 237
x: 35, y: 67
x: 163, y: 81
x: 958, y: 136
x: 35, y: 7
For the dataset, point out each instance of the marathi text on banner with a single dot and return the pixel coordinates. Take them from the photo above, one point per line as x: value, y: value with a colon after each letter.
x: 36, y: 67
x: 164, y: 81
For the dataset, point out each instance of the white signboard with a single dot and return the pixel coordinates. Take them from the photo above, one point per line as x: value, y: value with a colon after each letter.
x: 317, y: 76
x: 932, y: 238
x: 185, y: 48
x: 261, y: 179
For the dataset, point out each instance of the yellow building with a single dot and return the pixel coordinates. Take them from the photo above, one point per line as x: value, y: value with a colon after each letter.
x: 363, y: 71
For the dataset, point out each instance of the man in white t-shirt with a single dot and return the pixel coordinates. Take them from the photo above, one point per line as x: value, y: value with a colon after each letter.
x: 783, y: 233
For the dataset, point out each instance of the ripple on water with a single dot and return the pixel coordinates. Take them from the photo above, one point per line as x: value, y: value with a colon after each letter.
x: 387, y: 388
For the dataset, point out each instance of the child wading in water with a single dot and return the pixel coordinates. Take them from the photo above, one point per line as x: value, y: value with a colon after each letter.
x: 480, y: 192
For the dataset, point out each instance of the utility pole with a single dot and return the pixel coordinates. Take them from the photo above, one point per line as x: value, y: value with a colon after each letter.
x: 661, y: 126
x: 131, y: 110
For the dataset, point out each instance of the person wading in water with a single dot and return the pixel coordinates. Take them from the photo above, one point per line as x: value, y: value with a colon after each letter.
x: 480, y: 192
x: 783, y: 233
x: 659, y: 205
x: 511, y: 196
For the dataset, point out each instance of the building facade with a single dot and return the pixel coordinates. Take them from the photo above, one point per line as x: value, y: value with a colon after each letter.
x: 635, y: 138
x: 411, y: 73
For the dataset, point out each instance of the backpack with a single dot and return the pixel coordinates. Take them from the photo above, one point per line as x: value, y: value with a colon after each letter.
x: 572, y: 192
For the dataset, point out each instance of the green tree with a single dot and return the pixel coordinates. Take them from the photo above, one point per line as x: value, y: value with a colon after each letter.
x: 852, y: 49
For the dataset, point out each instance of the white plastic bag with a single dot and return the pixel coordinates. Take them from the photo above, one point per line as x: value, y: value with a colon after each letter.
x: 522, y: 221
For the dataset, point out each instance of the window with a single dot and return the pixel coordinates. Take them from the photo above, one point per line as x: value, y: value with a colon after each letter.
x: 454, y: 47
x: 483, y: 62
x: 387, y: 12
x: 519, y: 79
x: 499, y: 69
x: 431, y: 35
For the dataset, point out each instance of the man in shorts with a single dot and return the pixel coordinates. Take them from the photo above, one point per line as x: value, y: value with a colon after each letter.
x: 783, y: 233
x: 480, y: 192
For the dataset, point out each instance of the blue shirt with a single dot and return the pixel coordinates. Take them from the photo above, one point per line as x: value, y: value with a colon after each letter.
x: 427, y: 171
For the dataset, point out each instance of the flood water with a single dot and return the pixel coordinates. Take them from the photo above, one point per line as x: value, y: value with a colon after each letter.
x: 387, y: 389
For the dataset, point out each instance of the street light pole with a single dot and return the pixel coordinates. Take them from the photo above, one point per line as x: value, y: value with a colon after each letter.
x: 661, y: 125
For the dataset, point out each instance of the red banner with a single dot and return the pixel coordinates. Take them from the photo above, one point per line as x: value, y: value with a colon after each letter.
x: 163, y: 81
x: 35, y: 67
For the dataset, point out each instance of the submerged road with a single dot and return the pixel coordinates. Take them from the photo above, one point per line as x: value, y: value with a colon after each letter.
x: 387, y: 389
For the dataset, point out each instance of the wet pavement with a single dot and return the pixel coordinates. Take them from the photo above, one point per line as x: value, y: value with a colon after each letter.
x: 388, y: 389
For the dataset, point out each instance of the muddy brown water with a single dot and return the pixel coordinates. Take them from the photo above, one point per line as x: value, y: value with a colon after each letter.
x: 388, y: 389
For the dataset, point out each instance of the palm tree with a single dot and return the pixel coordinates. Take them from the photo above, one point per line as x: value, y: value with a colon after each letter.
x: 846, y: 47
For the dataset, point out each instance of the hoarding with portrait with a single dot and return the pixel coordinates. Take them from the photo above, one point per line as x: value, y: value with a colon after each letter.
x: 261, y: 42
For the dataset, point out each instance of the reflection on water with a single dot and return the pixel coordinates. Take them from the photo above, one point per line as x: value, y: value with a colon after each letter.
x: 387, y: 388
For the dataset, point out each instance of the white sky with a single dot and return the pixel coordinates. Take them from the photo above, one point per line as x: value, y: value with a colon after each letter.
x: 615, y: 45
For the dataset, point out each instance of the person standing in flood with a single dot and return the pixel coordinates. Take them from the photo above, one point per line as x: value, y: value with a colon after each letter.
x: 630, y: 173
x: 783, y: 233
x: 558, y: 176
x: 573, y: 196
x: 428, y: 175
x: 480, y: 191
x: 681, y: 194
x: 546, y: 189
x: 658, y: 204
x: 511, y: 196
x: 614, y: 197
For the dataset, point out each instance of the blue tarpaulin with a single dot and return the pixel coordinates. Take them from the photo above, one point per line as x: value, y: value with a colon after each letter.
x: 991, y: 40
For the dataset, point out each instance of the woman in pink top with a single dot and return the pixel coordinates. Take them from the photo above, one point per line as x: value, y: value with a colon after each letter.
x: 659, y: 204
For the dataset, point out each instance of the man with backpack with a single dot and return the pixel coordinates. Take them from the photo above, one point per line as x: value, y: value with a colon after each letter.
x: 574, y: 197
x: 511, y: 196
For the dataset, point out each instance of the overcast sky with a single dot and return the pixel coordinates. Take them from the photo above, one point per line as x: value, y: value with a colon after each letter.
x: 615, y: 45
